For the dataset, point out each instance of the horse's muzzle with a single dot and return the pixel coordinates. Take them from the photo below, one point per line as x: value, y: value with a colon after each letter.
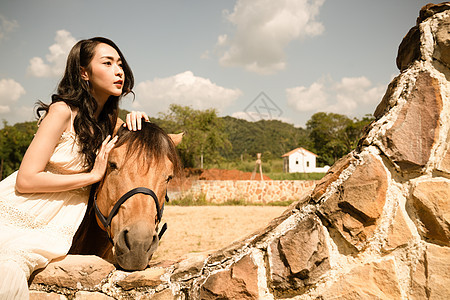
x: 135, y: 245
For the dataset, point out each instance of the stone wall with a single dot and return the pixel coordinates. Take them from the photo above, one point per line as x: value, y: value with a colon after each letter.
x: 251, y: 191
x: 377, y: 226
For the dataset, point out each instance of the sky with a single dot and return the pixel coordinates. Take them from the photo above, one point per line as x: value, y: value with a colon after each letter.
x: 250, y: 59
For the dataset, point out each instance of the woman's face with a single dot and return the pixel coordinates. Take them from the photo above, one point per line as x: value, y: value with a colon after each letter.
x: 105, y: 74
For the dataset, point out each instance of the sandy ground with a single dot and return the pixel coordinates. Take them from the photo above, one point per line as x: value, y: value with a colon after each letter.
x: 196, y: 229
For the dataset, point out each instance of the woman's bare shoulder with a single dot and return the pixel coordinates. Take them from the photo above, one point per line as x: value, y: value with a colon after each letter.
x: 60, y: 107
x: 58, y: 115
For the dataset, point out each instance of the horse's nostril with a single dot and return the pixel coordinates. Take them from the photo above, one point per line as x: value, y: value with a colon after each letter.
x: 154, y: 241
x: 126, y: 238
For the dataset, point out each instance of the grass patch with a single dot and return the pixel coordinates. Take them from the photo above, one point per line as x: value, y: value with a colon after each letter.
x: 295, y: 176
x: 272, y: 165
x: 190, y: 200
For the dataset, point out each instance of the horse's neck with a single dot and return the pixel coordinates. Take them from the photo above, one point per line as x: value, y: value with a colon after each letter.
x: 90, y: 239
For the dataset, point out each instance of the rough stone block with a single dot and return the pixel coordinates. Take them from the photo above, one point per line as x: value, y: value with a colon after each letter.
x: 409, y: 141
x: 431, y: 9
x: 376, y: 280
x: 357, y: 205
x: 418, y: 285
x: 445, y: 162
x: 429, y: 278
x: 438, y: 262
x: 75, y: 272
x: 279, y: 272
x: 189, y: 267
x: 299, y: 257
x: 409, y: 49
x: 39, y: 295
x: 442, y: 37
x: 332, y: 175
x: 149, y: 277
x: 239, y: 282
x: 431, y: 202
x: 399, y: 233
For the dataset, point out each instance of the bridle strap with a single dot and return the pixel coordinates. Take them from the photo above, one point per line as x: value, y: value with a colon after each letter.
x: 106, y: 222
x: 161, y: 232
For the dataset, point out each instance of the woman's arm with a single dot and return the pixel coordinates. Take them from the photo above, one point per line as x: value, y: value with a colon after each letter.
x: 31, y: 177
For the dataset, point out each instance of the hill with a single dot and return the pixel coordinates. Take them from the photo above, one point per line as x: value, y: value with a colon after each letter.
x: 273, y: 138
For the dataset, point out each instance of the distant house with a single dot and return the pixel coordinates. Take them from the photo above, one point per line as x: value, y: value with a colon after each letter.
x: 301, y: 160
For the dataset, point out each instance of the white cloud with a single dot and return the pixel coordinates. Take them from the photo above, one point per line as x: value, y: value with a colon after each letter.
x: 10, y: 91
x: 307, y: 99
x: 348, y: 96
x: 184, y: 89
x: 6, y: 26
x: 264, y: 28
x: 54, y: 63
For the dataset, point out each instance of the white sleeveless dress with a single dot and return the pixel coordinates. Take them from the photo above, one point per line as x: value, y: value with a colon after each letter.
x: 36, y: 228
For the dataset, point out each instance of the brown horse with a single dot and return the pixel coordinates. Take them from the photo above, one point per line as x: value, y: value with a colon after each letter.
x: 146, y: 160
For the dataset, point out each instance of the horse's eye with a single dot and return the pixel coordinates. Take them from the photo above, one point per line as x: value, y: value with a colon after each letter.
x: 112, y: 165
x: 169, y: 178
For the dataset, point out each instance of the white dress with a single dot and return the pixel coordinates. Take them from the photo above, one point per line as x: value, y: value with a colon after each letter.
x: 36, y: 228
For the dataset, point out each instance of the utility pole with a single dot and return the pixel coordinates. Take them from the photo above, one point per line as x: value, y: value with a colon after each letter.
x: 258, y: 163
x: 201, y: 160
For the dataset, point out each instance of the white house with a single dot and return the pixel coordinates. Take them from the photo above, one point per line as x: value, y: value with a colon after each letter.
x: 301, y: 160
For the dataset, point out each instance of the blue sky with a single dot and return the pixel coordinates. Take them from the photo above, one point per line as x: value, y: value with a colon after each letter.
x: 305, y: 56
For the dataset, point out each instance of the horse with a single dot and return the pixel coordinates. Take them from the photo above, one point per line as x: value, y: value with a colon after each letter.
x: 122, y: 219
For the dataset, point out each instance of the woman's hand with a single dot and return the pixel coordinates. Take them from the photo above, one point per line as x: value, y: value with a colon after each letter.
x: 134, y: 120
x: 101, y: 161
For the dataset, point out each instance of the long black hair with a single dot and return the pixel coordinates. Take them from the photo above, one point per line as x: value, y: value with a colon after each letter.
x: 75, y: 92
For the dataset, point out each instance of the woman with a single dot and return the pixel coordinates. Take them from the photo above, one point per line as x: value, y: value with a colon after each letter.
x: 42, y: 205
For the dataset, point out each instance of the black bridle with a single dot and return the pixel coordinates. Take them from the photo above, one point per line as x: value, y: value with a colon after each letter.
x: 106, y: 221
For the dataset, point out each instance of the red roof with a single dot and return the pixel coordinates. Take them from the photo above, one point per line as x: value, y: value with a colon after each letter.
x: 297, y: 149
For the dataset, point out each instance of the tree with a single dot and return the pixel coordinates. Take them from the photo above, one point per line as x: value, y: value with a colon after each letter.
x: 355, y: 130
x: 334, y: 135
x: 204, y: 138
x: 14, y: 141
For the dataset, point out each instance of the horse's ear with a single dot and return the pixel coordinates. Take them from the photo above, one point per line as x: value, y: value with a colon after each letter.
x: 176, y: 138
x: 119, y: 123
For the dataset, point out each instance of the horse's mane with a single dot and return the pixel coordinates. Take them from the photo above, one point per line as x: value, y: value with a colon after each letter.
x: 151, y: 142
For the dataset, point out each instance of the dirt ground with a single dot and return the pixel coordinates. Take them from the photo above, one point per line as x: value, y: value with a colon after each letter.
x: 193, y: 229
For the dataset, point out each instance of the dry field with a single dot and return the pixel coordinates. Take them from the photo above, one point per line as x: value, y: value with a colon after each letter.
x: 194, y: 229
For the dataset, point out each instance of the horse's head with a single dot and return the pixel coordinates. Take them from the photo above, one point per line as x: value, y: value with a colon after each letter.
x: 145, y: 158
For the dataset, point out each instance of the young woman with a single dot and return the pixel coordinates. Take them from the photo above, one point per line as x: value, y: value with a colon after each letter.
x: 42, y: 205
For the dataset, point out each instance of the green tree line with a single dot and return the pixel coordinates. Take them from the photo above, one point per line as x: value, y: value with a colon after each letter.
x: 14, y: 141
x: 212, y: 140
